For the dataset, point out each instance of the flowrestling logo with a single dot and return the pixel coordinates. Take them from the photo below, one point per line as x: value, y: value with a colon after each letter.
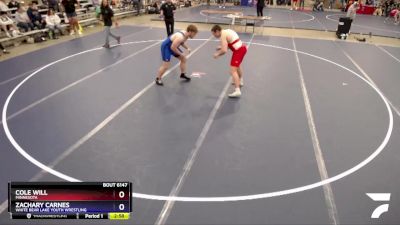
x: 379, y: 197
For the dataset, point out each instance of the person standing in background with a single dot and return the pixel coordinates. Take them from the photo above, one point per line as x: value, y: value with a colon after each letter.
x: 318, y: 6
x: 331, y: 2
x: 70, y: 11
x: 301, y: 5
x: 388, y: 7
x: 352, y: 10
x: 294, y: 5
x: 167, y: 10
x: 107, y: 14
x: 343, y: 2
x: 260, y: 7
x: 221, y: 4
x: 136, y: 5
x: 396, y: 15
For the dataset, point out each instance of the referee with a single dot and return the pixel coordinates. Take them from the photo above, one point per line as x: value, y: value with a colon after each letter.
x: 260, y: 7
x: 167, y: 10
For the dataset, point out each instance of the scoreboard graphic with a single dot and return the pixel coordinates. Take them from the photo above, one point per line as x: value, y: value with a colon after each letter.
x: 66, y: 200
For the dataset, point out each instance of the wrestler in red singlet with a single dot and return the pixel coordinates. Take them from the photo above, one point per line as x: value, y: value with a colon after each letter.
x: 230, y: 39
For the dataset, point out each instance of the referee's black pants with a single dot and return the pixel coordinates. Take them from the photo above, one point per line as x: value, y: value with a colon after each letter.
x: 169, y: 24
x: 260, y: 10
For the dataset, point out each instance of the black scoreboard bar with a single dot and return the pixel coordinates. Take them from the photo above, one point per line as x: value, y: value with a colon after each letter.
x: 70, y: 200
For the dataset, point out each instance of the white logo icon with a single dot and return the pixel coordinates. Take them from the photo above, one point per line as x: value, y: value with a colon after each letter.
x: 379, y: 197
x: 28, y: 215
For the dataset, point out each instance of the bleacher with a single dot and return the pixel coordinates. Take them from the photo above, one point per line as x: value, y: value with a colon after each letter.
x: 85, y: 13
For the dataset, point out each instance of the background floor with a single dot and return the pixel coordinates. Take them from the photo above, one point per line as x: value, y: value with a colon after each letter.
x: 98, y: 116
x: 284, y: 18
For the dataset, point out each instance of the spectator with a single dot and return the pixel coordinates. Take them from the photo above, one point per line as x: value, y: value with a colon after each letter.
x: 113, y: 3
x: 288, y: 2
x: 8, y: 25
x: 3, y: 6
x: 35, y: 16
x: 53, y: 23
x: 70, y: 11
x: 155, y: 5
x: 167, y: 10
x: 301, y: 5
x: 53, y: 4
x: 13, y: 4
x: 45, y: 3
x: 318, y: 6
x: 188, y: 3
x: 384, y: 5
x: 3, y: 50
x: 136, y: 5
x: 153, y: 9
x: 388, y: 6
x: 378, y: 11
x: 221, y: 4
x: 352, y: 10
x: 331, y: 3
x: 344, y: 3
x: 96, y: 4
x: 22, y: 19
x: 293, y: 5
